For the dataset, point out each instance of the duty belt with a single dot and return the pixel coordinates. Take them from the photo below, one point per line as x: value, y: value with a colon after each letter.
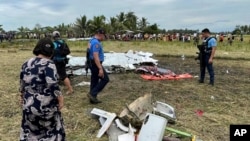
x: 208, y: 51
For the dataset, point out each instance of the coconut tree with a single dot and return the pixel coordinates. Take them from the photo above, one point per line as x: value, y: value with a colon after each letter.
x: 121, y: 18
x: 47, y: 29
x: 130, y: 21
x: 143, y: 23
x: 37, y: 30
x: 1, y: 29
x: 23, y: 31
x: 152, y: 28
x: 81, y: 25
x: 70, y: 30
x: 248, y: 29
x: 113, y: 25
x: 96, y: 23
x: 244, y: 28
x: 62, y: 28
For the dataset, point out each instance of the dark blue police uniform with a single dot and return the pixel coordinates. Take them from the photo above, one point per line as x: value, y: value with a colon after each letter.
x: 210, y: 44
x: 97, y: 83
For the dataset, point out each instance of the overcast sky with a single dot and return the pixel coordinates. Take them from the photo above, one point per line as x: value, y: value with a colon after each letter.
x: 217, y: 15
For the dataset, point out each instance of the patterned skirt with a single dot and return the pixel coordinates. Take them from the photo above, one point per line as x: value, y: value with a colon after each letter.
x: 42, y: 127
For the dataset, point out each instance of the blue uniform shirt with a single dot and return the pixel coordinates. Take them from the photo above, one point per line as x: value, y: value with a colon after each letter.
x: 212, y: 43
x: 96, y: 46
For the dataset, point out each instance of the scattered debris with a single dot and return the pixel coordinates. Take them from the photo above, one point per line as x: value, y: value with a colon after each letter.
x: 139, y: 108
x: 114, y: 133
x: 109, y: 119
x: 199, y: 112
x: 78, y: 39
x: 170, y: 139
x: 179, y: 132
x: 153, y: 70
x: 114, y: 62
x: 153, y: 128
x: 83, y: 83
x: 184, y: 134
x: 167, y: 77
x: 196, y: 76
x: 182, y: 57
x: 142, y: 117
x: 123, y: 127
x: 127, y: 137
x: 165, y: 110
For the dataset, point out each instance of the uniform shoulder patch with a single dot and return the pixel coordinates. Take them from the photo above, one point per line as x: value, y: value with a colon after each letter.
x: 97, y: 46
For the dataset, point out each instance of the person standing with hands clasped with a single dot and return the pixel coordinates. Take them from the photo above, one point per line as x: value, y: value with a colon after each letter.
x: 210, y: 44
x: 41, y: 97
x: 99, y: 77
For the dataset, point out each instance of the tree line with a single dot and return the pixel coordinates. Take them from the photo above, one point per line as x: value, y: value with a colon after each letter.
x: 84, y: 27
x: 241, y: 29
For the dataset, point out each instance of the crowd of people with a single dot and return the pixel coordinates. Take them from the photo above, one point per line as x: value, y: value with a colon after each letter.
x: 7, y: 36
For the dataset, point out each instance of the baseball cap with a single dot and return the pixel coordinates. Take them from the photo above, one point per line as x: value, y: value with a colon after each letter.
x: 45, y: 47
x: 206, y: 30
x: 100, y: 31
x: 56, y: 34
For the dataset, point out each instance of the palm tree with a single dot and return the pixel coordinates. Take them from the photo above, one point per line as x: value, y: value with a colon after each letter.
x: 244, y: 28
x: 248, y: 29
x: 62, y: 29
x: 142, y: 24
x: 130, y: 21
x: 47, y: 29
x: 113, y: 25
x: 152, y: 29
x: 121, y: 18
x: 96, y: 23
x: 81, y: 25
x: 23, y: 31
x: 37, y: 30
x: 1, y: 29
x: 70, y: 30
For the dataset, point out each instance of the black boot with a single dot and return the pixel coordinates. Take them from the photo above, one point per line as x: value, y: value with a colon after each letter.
x: 93, y: 100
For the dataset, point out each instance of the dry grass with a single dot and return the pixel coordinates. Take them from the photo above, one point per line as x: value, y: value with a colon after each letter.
x: 229, y: 106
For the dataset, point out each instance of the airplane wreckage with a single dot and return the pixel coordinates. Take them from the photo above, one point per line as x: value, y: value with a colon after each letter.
x: 138, y: 61
x: 142, y: 120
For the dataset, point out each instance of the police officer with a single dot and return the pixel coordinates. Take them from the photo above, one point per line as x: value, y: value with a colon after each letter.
x: 208, y: 56
x: 99, y: 77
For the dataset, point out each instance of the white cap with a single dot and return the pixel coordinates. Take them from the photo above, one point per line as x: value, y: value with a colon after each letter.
x: 56, y: 34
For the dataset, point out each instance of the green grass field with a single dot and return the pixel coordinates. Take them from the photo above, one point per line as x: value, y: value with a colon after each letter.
x: 229, y: 105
